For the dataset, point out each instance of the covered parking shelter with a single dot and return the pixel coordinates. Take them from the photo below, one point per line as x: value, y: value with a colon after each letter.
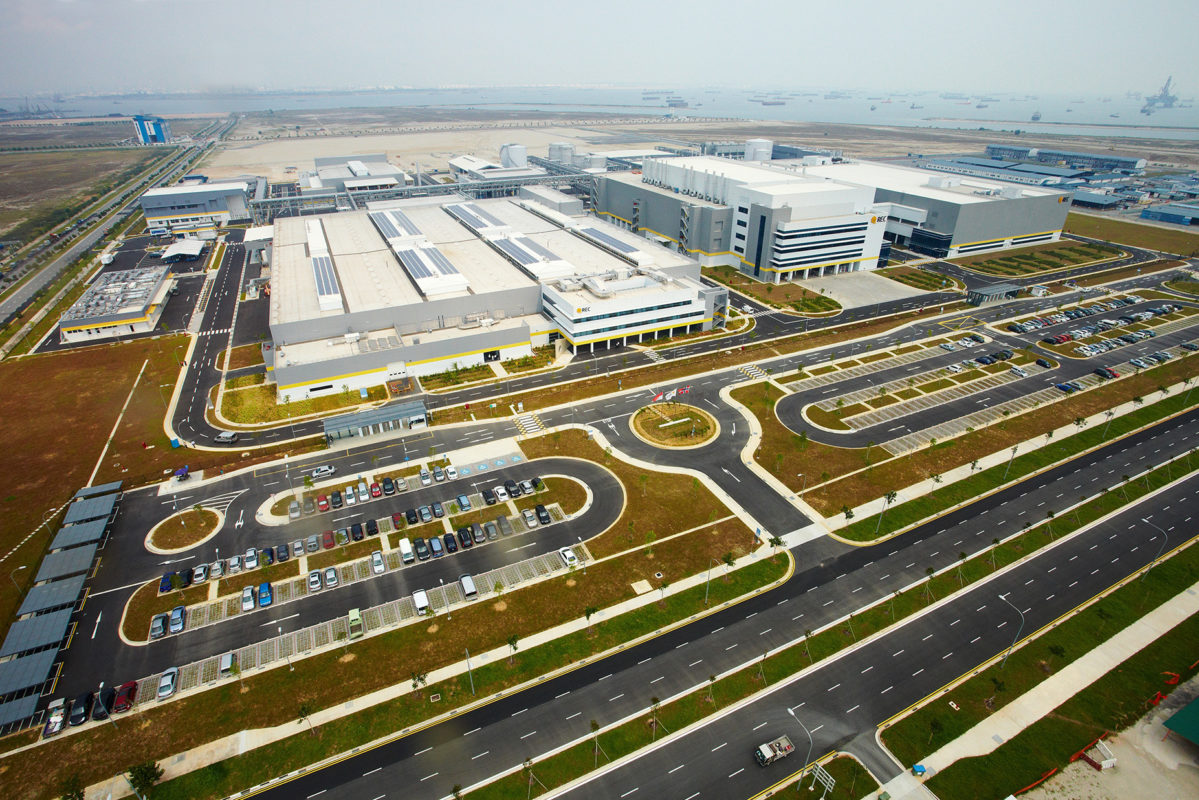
x: 992, y: 294
x: 392, y: 417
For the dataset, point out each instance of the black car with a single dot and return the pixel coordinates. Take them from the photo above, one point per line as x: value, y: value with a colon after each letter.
x: 356, y: 532
x: 489, y: 497
x: 537, y: 484
x: 411, y: 516
x: 451, y: 544
x: 282, y: 553
x: 81, y: 709
x: 389, y: 486
x: 1189, y: 346
x: 977, y: 338
x: 335, y: 498
x: 422, y: 549
x: 438, y: 510
x: 543, y: 516
x: 268, y: 556
x: 511, y: 488
x: 372, y: 527
x: 1041, y: 362
x: 477, y: 532
x: 186, y: 576
x: 104, y: 701
x: 464, y: 537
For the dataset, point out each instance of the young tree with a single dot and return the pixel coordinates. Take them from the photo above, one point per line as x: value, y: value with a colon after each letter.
x: 305, y: 712
x: 595, y: 726
x: 807, y: 637
x: 142, y: 777
x: 888, y: 499
x: 72, y: 788
x: 928, y: 585
x: 961, y: 563
x: 513, y: 641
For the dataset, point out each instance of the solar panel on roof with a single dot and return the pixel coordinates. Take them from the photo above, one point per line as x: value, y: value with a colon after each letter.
x: 54, y: 594
x: 326, y: 278
x: 539, y: 250
x: 414, y: 264
x: 384, y: 224
x: 83, y: 533
x: 66, y: 562
x: 466, y: 216
x: 609, y: 240
x: 516, y: 253
x: 484, y: 215
x: 443, y: 263
x: 406, y: 224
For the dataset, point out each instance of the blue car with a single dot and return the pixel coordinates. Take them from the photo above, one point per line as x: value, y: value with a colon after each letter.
x: 1064, y: 387
x: 264, y: 595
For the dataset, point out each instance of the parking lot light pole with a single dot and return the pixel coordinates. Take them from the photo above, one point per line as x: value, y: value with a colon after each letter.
x: 285, y: 655
x: 804, y: 488
x: 1019, y: 630
x: 808, y: 757
x: 1160, y: 550
x: 470, y: 674
x: 12, y: 576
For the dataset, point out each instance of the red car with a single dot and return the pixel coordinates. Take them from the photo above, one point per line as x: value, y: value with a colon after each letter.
x: 397, y: 520
x: 376, y: 490
x: 322, y: 503
x: 328, y: 540
x: 126, y: 694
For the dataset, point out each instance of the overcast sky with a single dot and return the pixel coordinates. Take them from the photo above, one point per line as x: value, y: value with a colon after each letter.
x: 1032, y: 46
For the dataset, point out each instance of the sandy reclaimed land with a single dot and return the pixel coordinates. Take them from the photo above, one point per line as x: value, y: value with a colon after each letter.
x: 431, y: 149
x: 1149, y: 764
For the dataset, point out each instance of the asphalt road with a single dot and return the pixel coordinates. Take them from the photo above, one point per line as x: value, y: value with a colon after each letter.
x: 831, y: 581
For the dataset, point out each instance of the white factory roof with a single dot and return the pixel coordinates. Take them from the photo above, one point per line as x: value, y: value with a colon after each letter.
x: 951, y: 188
x: 753, y: 175
x: 122, y: 293
x: 196, y: 188
x: 259, y: 233
x: 635, y: 180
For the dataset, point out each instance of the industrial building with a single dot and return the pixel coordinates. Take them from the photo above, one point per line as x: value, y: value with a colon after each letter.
x: 117, y: 304
x: 181, y: 209
x: 151, y: 130
x: 1068, y: 158
x: 773, y: 224
x: 415, y: 287
x: 363, y: 173
x: 1178, y: 213
x: 473, y: 168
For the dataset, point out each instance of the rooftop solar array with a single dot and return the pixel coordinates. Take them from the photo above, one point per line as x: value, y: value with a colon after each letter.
x: 55, y: 594
x: 75, y: 535
x: 18, y: 709
x: 394, y: 223
x: 415, y: 265
x: 517, y: 254
x: 544, y: 252
x: 441, y: 262
x: 66, y: 562
x: 484, y: 215
x: 90, y: 508
x: 25, y: 672
x: 473, y: 221
x: 608, y: 240
x: 326, y: 278
x: 430, y: 270
x: 37, y: 632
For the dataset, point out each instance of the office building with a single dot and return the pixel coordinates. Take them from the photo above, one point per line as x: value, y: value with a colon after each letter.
x: 117, y: 304
x: 151, y: 130
x: 191, y: 208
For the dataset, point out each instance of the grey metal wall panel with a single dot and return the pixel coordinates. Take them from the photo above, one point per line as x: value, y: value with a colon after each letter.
x: 999, y: 219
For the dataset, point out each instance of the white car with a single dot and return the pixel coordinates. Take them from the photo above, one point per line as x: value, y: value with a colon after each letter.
x: 530, y: 519
x: 568, y: 557
x: 200, y: 574
x: 235, y: 565
x: 501, y: 494
x: 377, y: 565
x: 330, y: 577
x: 314, y: 580
x: 218, y: 569
x: 251, y: 558
x: 451, y: 473
x: 248, y: 600
x: 954, y: 368
x: 167, y: 683
x: 350, y: 497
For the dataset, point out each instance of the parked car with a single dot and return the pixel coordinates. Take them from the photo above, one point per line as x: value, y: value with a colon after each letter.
x: 125, y: 698
x: 313, y: 544
x: 281, y: 553
x: 397, y: 520
x: 81, y: 709
x: 351, y: 497
x: 426, y: 515
x: 411, y: 516
x: 235, y: 565
x: 464, y: 538
x: 322, y: 502
x: 293, y: 510
x: 425, y: 478
x: 268, y: 556
x: 376, y: 490
x: 543, y: 514
x: 363, y: 492
x: 435, y: 547
x: 314, y: 581
x: 378, y: 566
x: 438, y: 510
x: 167, y: 683
x: 200, y: 573
x: 451, y: 473
x: 164, y: 583
x: 490, y: 531
x: 248, y: 599
x: 530, y: 518
x: 438, y: 474
x: 421, y: 548
x: 389, y: 486
x: 512, y: 488
x: 463, y: 502
x: 330, y: 577
x: 504, y: 525
x: 104, y: 702
x: 569, y: 559
x: 217, y: 569
x: 489, y: 497
x: 178, y: 619
x: 335, y: 498
x: 401, y: 485
x: 476, y: 532
x: 309, y: 506
x: 250, y: 559
x: 451, y: 543
x: 328, y: 541
x: 342, y: 535
x: 372, y: 528
x: 265, y: 595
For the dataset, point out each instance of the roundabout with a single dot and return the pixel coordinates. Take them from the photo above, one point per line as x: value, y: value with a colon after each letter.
x: 183, y: 531
x: 675, y: 426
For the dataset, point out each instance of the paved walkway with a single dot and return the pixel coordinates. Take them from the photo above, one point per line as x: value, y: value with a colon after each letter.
x: 1042, y: 699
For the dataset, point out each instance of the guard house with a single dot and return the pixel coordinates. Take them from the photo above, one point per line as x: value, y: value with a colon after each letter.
x: 992, y: 294
x: 393, y: 417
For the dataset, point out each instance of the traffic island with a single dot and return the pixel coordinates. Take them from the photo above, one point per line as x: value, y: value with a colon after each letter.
x: 674, y: 425
x: 184, y: 530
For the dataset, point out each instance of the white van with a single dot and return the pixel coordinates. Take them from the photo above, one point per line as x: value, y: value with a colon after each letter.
x: 467, y: 583
x: 422, y: 602
x: 406, y: 554
x: 226, y: 663
x: 225, y: 437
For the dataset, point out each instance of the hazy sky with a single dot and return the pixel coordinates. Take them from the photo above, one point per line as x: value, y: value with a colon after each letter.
x: 1033, y: 46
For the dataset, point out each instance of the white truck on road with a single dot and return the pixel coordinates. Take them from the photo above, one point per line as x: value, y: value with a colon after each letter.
x: 774, y: 751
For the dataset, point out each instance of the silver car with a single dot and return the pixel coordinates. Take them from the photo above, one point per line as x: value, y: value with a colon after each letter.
x: 168, y: 683
x: 330, y: 577
x: 314, y: 581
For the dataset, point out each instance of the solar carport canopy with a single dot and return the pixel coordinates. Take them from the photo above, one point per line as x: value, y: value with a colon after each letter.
x: 26, y: 671
x: 90, y: 508
x: 74, y: 535
x: 17, y: 709
x: 65, y: 563
x: 96, y: 491
x: 36, y: 632
x: 55, y: 594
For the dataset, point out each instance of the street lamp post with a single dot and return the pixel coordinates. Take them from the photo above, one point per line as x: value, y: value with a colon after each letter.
x: 12, y: 576
x: 1019, y: 630
x: 804, y: 488
x: 808, y: 757
x: 708, y: 581
x: 1160, y: 550
x: 1009, y: 463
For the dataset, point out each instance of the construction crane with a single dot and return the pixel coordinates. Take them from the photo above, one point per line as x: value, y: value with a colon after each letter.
x: 1163, y: 98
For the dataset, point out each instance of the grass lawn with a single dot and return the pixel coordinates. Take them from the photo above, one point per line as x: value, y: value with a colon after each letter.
x: 734, y: 325
x: 825, y: 419
x: 783, y: 295
x: 146, y: 602
x: 1039, y: 258
x: 920, y: 279
x: 344, y: 554
x: 242, y: 381
x: 256, y: 404
x: 1150, y: 237
x: 542, y: 357
x: 247, y: 355
x: 934, y: 386
x: 184, y: 529
x: 1188, y: 287
x: 456, y: 377
x: 674, y: 424
x: 1124, y: 272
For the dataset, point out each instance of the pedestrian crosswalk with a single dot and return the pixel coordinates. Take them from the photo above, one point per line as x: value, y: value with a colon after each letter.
x: 654, y: 355
x: 752, y: 371
x: 529, y: 424
x: 215, y: 332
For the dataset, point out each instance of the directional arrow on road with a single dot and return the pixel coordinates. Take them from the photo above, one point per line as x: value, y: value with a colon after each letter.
x: 240, y: 521
x: 731, y: 475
